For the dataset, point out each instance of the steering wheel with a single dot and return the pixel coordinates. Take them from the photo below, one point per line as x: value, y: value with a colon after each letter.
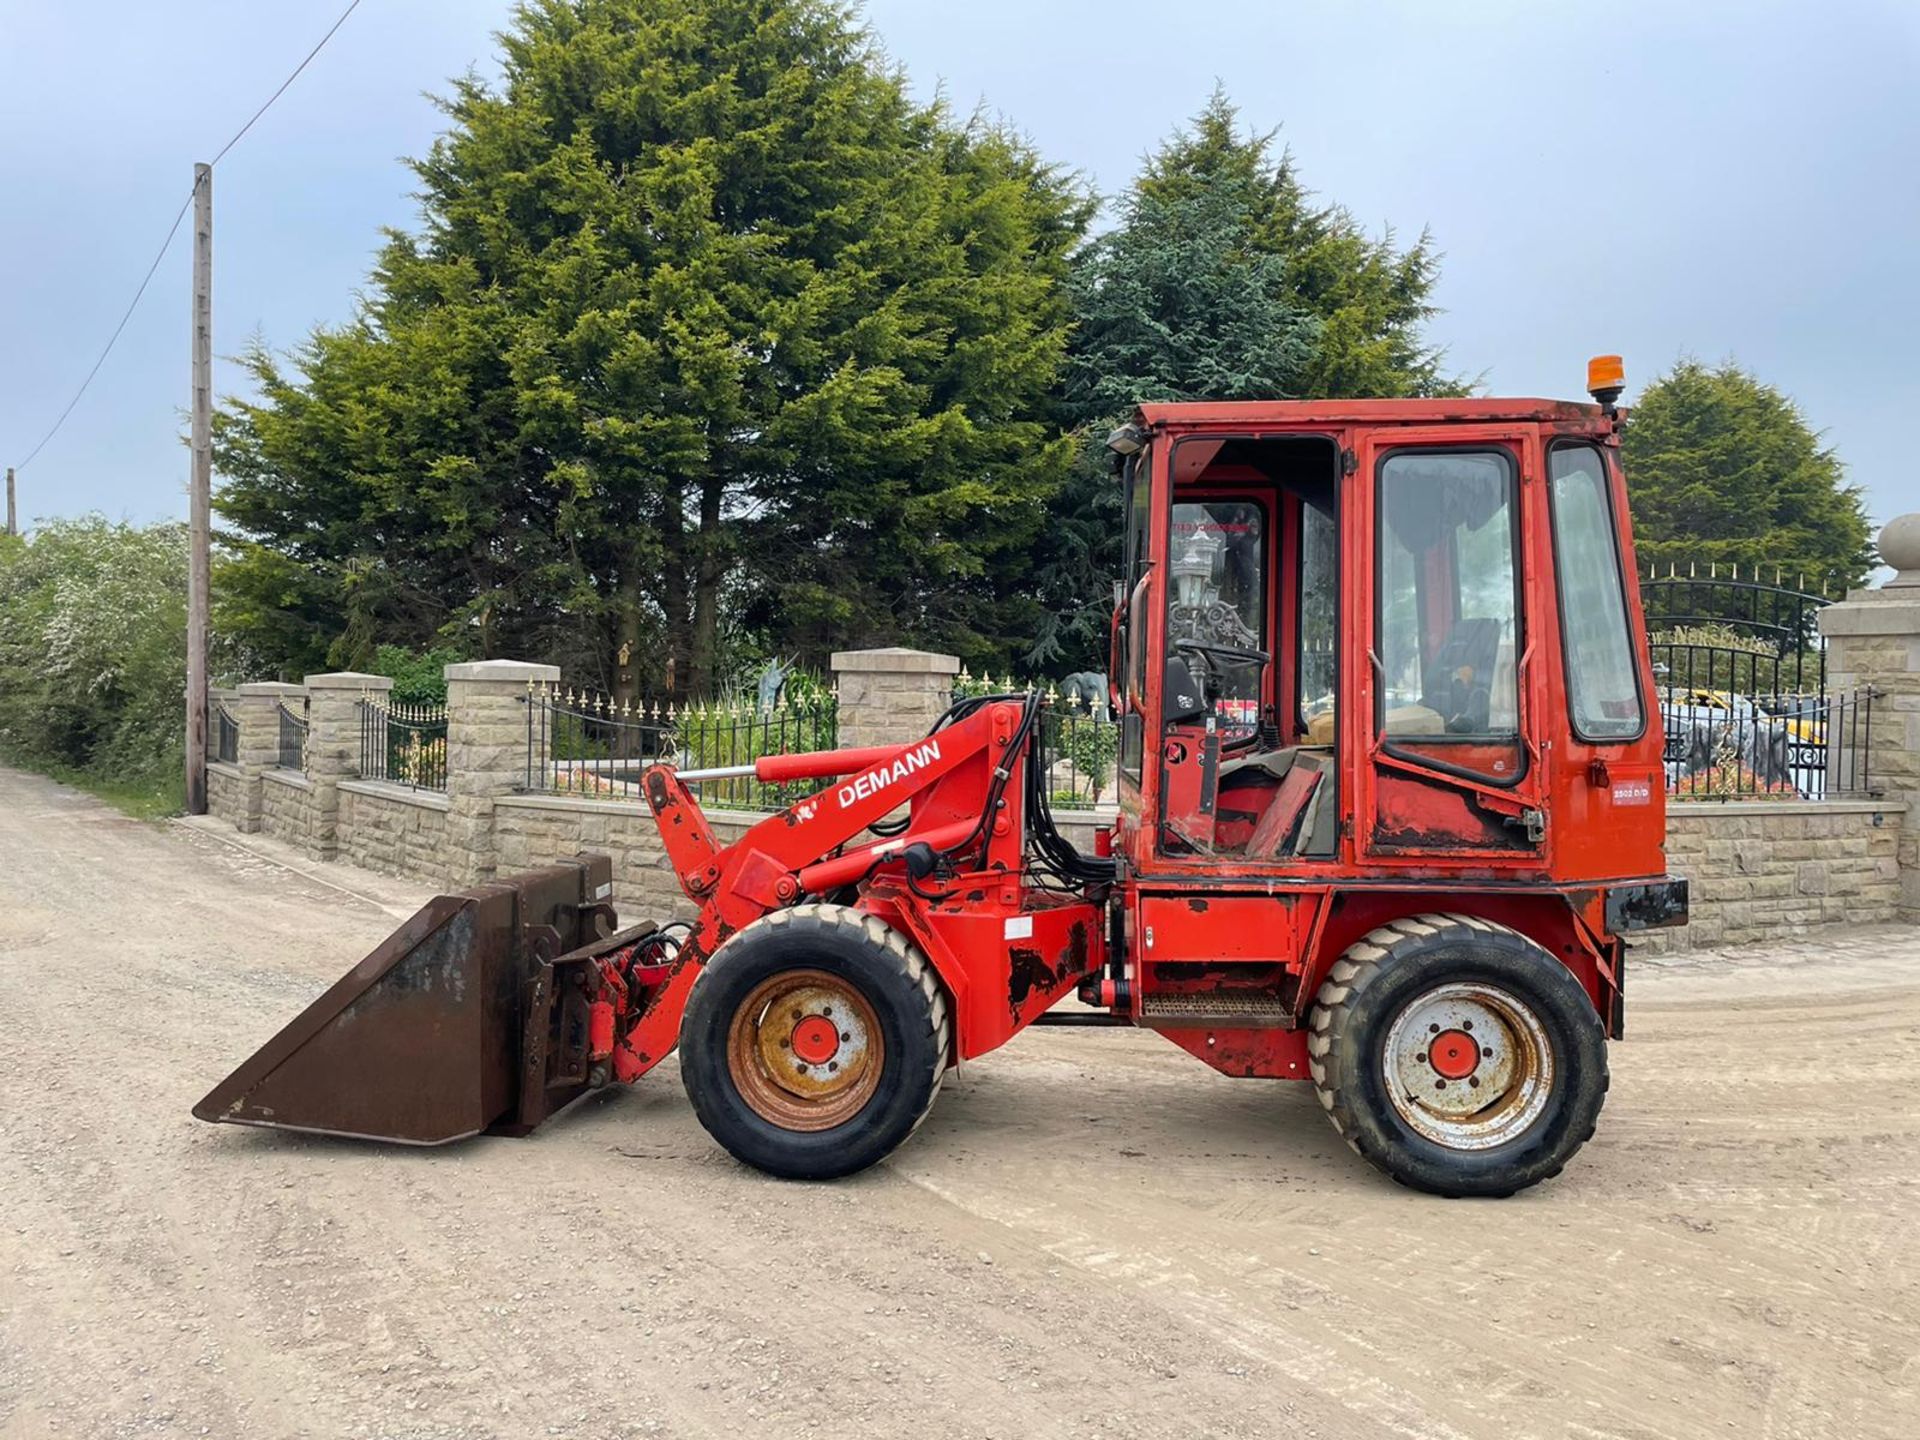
x: 1219, y: 657
x: 1226, y: 654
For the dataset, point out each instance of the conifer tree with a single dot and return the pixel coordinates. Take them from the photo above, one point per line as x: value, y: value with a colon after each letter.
x: 1722, y: 470
x: 708, y: 324
x: 1223, y: 279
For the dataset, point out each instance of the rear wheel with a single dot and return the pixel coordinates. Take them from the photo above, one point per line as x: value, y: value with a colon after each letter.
x: 814, y: 1042
x: 1458, y: 1056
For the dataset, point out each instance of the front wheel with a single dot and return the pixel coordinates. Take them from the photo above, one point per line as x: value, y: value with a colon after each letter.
x: 1458, y: 1056
x: 814, y: 1042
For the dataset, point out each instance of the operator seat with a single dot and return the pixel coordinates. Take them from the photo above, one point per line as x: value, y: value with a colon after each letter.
x: 1459, y: 682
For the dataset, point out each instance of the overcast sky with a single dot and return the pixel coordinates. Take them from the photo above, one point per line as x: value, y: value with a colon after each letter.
x: 1719, y: 180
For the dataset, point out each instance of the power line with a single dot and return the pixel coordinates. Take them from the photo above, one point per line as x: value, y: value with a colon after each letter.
x: 285, y: 83
x: 174, y: 229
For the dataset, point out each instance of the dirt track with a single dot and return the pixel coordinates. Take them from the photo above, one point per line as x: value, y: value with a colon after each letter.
x: 1093, y: 1234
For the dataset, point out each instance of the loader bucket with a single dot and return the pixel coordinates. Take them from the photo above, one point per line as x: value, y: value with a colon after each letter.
x: 459, y: 1022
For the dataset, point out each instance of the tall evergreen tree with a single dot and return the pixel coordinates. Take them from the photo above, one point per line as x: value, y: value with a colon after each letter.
x: 1723, y: 470
x: 706, y: 318
x: 1222, y: 279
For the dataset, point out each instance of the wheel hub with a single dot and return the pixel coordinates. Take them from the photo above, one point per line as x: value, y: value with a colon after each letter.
x: 804, y: 1050
x: 815, y: 1040
x: 1468, y: 1065
x: 1453, y: 1055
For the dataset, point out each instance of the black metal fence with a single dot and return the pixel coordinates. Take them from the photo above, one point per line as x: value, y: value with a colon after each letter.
x: 403, y: 744
x: 579, y: 743
x: 292, y: 752
x: 1079, y: 741
x: 223, y: 736
x: 1771, y: 747
x: 1746, y: 636
x: 1744, y: 701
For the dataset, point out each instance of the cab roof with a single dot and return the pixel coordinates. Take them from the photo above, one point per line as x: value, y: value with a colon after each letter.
x: 1465, y: 410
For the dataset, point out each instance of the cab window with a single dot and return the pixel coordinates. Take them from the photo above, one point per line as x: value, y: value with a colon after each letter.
x: 1216, y: 595
x: 1603, y: 685
x: 1448, y: 622
x: 1319, y: 616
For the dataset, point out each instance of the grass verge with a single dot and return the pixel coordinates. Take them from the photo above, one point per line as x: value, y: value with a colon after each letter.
x: 143, y: 797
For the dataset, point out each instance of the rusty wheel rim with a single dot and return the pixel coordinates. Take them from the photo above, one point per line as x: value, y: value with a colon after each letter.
x: 1468, y: 1066
x: 804, y: 1050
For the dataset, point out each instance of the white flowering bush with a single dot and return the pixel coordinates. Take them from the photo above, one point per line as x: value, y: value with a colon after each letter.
x: 93, y: 650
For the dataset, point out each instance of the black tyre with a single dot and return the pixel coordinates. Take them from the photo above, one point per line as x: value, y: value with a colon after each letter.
x: 814, y: 1042
x: 1458, y: 1056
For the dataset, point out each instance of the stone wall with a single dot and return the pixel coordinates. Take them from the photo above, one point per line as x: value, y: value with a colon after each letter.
x: 226, y: 792
x: 533, y: 830
x: 890, y: 696
x: 394, y: 830
x: 1761, y: 870
x: 1873, y: 647
x: 286, y: 807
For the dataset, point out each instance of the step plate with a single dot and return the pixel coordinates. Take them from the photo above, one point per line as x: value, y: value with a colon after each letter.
x: 1224, y: 1010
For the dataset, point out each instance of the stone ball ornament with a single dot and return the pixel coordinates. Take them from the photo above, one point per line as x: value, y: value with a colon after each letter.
x: 1900, y: 548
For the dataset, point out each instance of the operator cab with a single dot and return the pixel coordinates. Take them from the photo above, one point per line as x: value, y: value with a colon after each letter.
x: 1337, y: 637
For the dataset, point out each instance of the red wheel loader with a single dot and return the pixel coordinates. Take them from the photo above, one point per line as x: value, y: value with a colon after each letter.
x: 1389, y: 800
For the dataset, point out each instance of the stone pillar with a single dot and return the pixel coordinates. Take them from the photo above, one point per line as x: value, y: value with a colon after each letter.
x: 486, y: 754
x: 891, y: 696
x: 256, y: 708
x: 333, y: 748
x: 1873, y: 639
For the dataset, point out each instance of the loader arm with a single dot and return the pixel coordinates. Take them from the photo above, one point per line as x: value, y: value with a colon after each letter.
x: 945, y: 779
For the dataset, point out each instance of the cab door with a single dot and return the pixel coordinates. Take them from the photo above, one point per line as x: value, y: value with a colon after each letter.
x: 1446, y: 714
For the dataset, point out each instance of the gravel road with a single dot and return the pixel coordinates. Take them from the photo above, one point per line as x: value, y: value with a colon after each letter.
x: 1092, y: 1235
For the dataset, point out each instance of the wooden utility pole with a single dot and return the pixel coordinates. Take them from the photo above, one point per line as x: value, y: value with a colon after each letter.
x: 13, y: 522
x: 200, y: 491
